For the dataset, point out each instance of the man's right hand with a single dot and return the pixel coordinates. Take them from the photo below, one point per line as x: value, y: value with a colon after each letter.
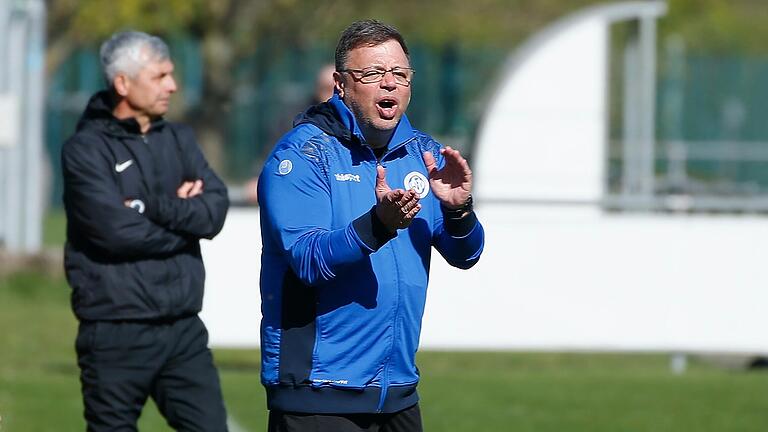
x: 397, y: 208
x: 190, y: 189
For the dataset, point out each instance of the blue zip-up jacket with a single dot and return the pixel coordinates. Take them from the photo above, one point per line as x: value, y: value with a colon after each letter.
x: 342, y: 298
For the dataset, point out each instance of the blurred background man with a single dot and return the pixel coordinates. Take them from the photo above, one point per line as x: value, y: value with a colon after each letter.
x: 322, y: 91
x: 139, y: 196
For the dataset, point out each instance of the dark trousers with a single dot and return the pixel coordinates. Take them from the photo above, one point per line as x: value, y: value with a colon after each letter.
x: 407, y: 420
x: 124, y: 363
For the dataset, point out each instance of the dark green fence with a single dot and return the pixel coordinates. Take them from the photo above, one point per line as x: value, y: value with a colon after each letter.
x: 712, y: 128
x: 272, y: 86
x: 712, y: 134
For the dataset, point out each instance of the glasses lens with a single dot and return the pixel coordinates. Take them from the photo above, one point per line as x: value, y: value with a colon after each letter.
x: 402, y: 76
x: 372, y: 76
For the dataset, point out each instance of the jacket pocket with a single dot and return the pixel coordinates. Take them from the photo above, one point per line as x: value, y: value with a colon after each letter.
x: 184, y: 288
x: 83, y: 279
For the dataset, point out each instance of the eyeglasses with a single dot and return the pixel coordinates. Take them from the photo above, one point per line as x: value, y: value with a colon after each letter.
x: 403, y: 76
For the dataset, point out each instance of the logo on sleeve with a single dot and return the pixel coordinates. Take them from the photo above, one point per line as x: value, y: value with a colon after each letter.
x: 418, y: 182
x: 285, y: 167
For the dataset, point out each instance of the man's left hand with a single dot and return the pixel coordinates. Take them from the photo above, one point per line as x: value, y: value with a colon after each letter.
x: 453, y: 183
x: 190, y: 189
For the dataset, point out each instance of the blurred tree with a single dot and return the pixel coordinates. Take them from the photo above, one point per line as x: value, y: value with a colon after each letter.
x: 229, y: 29
x: 729, y: 27
x: 73, y: 23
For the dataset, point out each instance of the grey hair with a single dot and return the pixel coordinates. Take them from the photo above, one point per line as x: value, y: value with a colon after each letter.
x: 123, y: 53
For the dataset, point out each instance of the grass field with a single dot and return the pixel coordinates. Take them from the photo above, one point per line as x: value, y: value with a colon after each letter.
x: 468, y: 391
x: 54, y: 228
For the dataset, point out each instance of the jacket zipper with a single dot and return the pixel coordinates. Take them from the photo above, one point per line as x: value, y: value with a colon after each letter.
x: 385, y: 378
x: 390, y: 150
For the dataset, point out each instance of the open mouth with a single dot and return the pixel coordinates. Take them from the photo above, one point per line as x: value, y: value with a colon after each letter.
x: 387, y: 108
x: 386, y: 104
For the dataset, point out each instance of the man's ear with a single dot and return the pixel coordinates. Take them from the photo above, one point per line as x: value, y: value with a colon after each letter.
x: 121, y: 85
x: 338, y: 83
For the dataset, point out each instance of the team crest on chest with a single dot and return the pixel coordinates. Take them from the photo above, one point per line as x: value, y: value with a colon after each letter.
x: 418, y: 182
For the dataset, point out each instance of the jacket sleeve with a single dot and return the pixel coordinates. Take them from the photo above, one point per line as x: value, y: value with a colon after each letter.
x: 461, y: 247
x: 95, y: 210
x: 295, y: 201
x: 201, y: 216
x: 459, y: 241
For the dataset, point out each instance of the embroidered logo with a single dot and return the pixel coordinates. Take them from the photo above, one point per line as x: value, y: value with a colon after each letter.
x: 285, y: 167
x: 418, y: 182
x: 347, y: 177
x: 120, y: 167
x: 330, y: 381
x: 137, y: 205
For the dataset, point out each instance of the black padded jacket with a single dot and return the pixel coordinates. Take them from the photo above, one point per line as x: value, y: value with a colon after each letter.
x: 122, y: 264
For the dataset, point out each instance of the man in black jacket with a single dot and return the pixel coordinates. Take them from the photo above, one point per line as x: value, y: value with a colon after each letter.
x: 139, y: 195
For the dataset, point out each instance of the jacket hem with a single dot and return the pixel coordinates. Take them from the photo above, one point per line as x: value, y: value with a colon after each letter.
x: 139, y: 318
x: 332, y: 400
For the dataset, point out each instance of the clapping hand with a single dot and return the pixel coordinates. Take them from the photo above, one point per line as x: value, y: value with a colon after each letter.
x: 453, y: 183
x: 396, y: 208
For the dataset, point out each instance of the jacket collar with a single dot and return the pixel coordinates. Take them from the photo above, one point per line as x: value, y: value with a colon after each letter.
x: 98, y: 114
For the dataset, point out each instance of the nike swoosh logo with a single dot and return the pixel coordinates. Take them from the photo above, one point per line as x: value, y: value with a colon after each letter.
x: 120, y: 167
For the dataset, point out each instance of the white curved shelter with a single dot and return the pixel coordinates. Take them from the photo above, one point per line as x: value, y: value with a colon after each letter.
x: 544, y: 135
x: 559, y: 272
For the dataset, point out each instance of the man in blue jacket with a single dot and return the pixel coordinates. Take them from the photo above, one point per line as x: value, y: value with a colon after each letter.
x: 345, y: 259
x: 139, y: 196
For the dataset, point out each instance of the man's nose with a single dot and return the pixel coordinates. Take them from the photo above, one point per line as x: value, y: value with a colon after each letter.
x: 171, y: 85
x: 388, y: 80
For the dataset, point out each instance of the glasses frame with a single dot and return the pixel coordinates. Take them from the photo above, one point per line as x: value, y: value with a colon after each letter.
x: 380, y: 74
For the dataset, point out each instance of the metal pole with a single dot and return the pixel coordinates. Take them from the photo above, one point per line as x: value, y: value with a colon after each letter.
x: 631, y: 127
x: 14, y: 83
x: 4, y: 204
x: 639, y: 166
x: 21, y: 79
x: 648, y: 104
x: 33, y: 126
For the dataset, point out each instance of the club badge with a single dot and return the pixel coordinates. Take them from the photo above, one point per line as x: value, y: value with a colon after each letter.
x: 285, y: 167
x: 418, y: 182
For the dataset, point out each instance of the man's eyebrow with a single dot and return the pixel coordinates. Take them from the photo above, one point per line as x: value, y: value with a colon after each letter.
x: 385, y: 68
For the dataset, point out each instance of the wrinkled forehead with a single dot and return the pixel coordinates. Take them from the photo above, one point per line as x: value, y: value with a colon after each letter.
x: 157, y: 65
x: 142, y: 60
x: 387, y: 54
